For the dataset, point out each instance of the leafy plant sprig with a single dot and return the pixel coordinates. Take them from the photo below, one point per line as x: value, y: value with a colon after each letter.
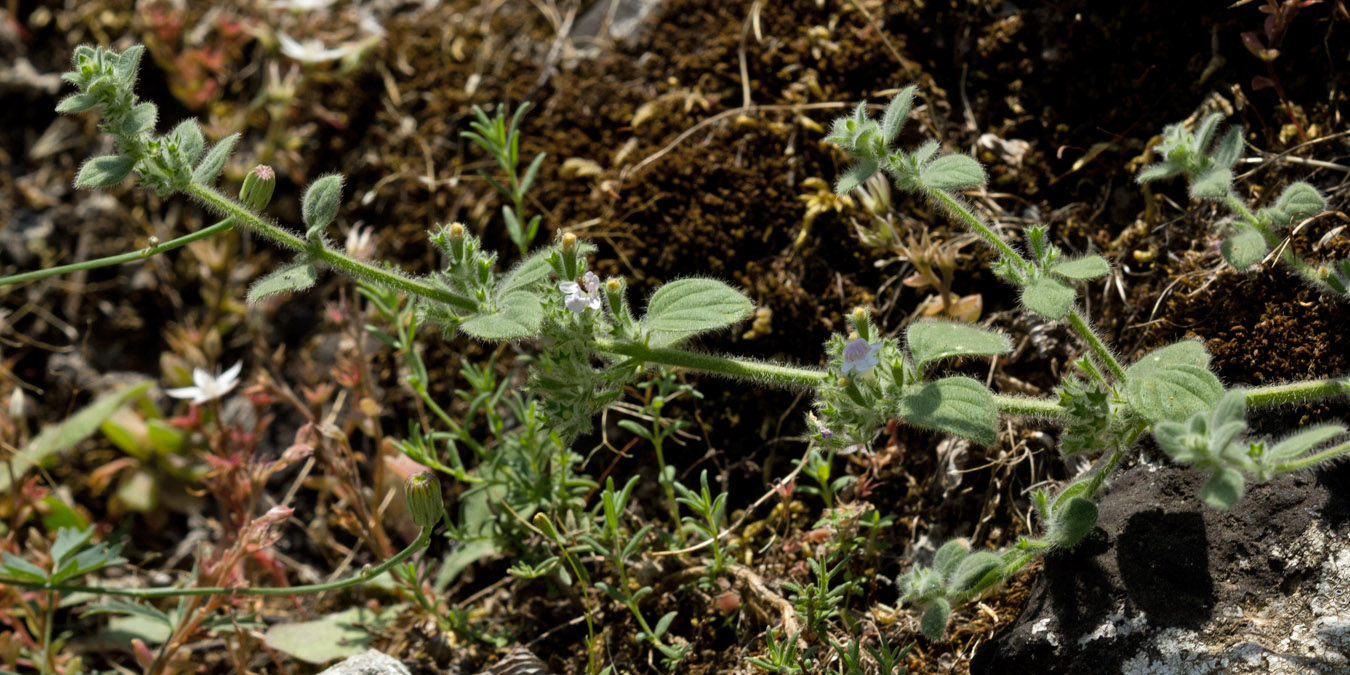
x: 593, y: 343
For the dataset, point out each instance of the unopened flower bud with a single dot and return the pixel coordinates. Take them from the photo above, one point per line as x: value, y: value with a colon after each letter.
x: 277, y: 515
x: 424, y: 499
x: 256, y: 192
x: 613, y: 285
x: 545, y: 525
x: 843, y: 381
x: 456, y: 230
x: 569, y: 242
x: 859, y: 314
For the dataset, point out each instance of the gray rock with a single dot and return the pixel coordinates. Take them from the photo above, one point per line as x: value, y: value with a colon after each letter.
x: 371, y: 662
x: 1167, y: 585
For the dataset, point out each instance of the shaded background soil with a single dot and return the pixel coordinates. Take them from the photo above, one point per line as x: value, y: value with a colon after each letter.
x: 688, y: 147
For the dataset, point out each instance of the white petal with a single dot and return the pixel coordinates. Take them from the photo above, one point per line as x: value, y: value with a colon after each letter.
x: 227, y: 378
x: 202, y: 378
x: 185, y: 392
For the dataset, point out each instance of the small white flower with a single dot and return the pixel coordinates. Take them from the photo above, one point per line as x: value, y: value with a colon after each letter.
x: 860, y: 356
x: 580, y: 297
x: 313, y: 51
x: 209, y: 388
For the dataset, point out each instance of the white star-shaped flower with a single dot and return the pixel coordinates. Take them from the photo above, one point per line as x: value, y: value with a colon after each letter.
x: 209, y: 387
x: 580, y: 297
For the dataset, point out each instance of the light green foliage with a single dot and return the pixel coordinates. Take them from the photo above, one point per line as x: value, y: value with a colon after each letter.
x: 1172, y: 383
x: 293, y: 278
x: 930, y: 341
x: 957, y: 575
x: 684, y: 308
x: 320, y: 204
x: 957, y: 405
x: 1244, y: 247
x: 501, y: 140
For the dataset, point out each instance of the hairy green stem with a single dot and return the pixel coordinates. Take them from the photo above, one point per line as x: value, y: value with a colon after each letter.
x: 1311, y: 460
x: 328, y: 257
x: 423, y: 538
x: 1084, y: 330
x: 132, y: 256
x: 1298, y: 392
x: 973, y: 222
x: 718, y: 365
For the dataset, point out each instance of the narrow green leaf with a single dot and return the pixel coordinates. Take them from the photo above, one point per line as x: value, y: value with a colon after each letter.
x: 18, y: 568
x: 956, y: 405
x: 664, y: 624
x: 292, y: 278
x: 531, y: 173
x: 1082, y: 269
x: 518, y: 315
x: 1204, y: 132
x: 74, y: 429
x: 1224, y: 488
x: 896, y: 113
x: 1298, y: 201
x: 684, y: 308
x: 190, y: 141
x: 952, y: 172
x: 68, y: 541
x: 932, y: 340
x: 934, y: 621
x: 1244, y: 247
x: 104, y: 171
x: 1049, y: 297
x: 321, y: 202
x: 856, y: 175
x: 1304, y: 441
x: 214, y: 162
x: 1172, y: 393
x: 1212, y: 184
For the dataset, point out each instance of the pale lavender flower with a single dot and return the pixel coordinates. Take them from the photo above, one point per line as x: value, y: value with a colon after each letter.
x: 860, y: 356
x: 580, y: 297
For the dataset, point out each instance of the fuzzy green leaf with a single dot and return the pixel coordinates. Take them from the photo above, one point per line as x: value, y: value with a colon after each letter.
x: 77, y: 103
x: 127, y: 64
x: 934, y: 621
x: 856, y: 175
x: 321, y: 202
x: 1204, y: 132
x: 687, y: 307
x: 1082, y: 269
x: 332, y: 637
x: 932, y: 340
x: 140, y: 119
x: 297, y: 276
x: 1298, y: 201
x: 190, y: 141
x: 518, y: 315
x: 1049, y: 297
x: 1244, y: 248
x: 956, y: 405
x: 214, y: 162
x: 527, y: 273
x: 976, y: 572
x: 1160, y: 171
x: 67, y: 434
x: 1304, y: 441
x: 1224, y: 488
x: 1229, y: 149
x: 896, y: 113
x: 1071, y: 520
x: 104, y: 171
x: 949, y: 556
x: 1172, y: 393
x: 1190, y: 352
x: 1212, y: 184
x: 952, y: 172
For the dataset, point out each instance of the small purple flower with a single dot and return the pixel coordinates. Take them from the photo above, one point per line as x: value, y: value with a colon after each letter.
x: 860, y: 356
x: 580, y: 297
